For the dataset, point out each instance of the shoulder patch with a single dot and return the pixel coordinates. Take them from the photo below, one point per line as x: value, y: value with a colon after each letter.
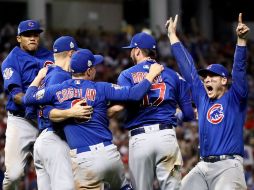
x: 117, y: 87
x: 8, y: 72
x: 40, y: 94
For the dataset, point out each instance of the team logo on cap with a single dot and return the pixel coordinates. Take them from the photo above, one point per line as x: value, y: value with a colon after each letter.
x: 7, y: 73
x: 31, y: 24
x: 215, y: 114
x: 209, y: 67
x: 71, y: 45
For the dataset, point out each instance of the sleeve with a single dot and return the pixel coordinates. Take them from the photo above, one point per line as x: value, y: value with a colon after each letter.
x: 11, y: 76
x: 123, y: 80
x: 124, y: 93
x: 185, y: 101
x: 188, y: 70
x: 239, y: 76
x: 46, y: 110
x: 34, y: 96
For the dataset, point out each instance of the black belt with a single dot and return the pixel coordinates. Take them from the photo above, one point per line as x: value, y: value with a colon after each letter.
x: 213, y: 159
x: 140, y: 130
x: 17, y: 113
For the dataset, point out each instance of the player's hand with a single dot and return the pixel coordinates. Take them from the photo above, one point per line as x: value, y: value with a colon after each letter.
x: 156, y: 69
x: 42, y: 73
x: 171, y: 25
x: 80, y: 110
x: 241, y: 29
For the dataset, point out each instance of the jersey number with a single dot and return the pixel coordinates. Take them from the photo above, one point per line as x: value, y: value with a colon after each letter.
x: 158, y: 87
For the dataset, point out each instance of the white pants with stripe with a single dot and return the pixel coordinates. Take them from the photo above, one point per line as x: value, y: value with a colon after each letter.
x: 102, y: 165
x: 226, y: 174
x: 155, y: 153
x: 20, y: 137
x: 52, y: 162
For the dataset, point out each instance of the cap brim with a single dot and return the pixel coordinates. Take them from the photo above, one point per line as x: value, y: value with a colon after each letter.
x: 204, y: 72
x: 98, y: 59
x: 36, y: 31
x: 127, y: 47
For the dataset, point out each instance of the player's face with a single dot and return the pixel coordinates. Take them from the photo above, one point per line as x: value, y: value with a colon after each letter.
x: 29, y: 41
x: 214, y: 86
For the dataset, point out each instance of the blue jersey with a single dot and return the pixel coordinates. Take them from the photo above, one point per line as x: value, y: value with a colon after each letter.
x: 220, y: 121
x: 159, y: 104
x: 97, y: 95
x: 19, y: 69
x: 55, y: 75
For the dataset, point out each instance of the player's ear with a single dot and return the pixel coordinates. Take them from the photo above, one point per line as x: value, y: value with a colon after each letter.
x: 19, y: 39
x: 224, y: 81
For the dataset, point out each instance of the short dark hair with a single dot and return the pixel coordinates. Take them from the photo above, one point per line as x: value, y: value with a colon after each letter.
x: 149, y: 53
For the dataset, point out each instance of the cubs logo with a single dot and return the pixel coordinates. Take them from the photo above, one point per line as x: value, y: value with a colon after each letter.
x: 7, y: 73
x: 77, y: 120
x: 47, y: 63
x: 31, y: 24
x: 215, y: 114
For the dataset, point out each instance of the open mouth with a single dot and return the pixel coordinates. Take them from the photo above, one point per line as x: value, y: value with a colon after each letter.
x: 209, y: 88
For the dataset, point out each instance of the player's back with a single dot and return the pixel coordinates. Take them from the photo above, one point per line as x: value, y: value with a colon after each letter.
x: 159, y: 104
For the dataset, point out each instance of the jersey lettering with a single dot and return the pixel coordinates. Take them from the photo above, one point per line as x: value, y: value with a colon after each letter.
x: 161, y: 89
x: 90, y: 94
x: 66, y: 94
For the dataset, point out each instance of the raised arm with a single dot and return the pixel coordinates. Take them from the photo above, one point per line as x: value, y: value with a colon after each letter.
x: 183, y: 58
x: 240, y: 84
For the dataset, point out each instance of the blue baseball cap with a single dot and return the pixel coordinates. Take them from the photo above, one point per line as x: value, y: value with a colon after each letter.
x: 216, y: 69
x: 143, y: 41
x: 83, y: 59
x: 65, y: 43
x: 29, y: 25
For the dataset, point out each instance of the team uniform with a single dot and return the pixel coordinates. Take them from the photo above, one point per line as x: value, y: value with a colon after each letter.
x: 153, y: 147
x: 18, y: 70
x: 95, y: 159
x: 51, y: 153
x: 220, y: 126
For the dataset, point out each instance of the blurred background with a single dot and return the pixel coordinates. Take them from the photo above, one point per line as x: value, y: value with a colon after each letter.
x: 206, y: 27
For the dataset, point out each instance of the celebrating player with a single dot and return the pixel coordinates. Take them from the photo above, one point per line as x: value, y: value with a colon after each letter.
x: 153, y: 147
x: 95, y: 159
x: 221, y: 112
x: 19, y: 69
x: 51, y: 153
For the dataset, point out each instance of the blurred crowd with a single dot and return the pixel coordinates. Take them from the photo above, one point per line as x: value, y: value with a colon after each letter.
x: 109, y: 44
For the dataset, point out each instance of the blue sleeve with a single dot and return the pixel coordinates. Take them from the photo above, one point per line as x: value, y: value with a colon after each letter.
x: 123, y: 80
x: 185, y: 101
x: 46, y: 110
x: 34, y: 96
x: 11, y: 77
x: 125, y: 93
x: 239, y: 76
x: 187, y: 68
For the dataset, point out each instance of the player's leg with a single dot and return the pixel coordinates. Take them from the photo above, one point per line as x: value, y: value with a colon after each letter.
x: 228, y: 175
x: 20, y: 135
x: 168, y: 159
x: 43, y: 180
x: 57, y: 161
x: 195, y: 179
x: 141, y: 161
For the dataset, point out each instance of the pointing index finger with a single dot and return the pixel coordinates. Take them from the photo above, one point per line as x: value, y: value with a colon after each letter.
x: 240, y: 18
x: 176, y: 18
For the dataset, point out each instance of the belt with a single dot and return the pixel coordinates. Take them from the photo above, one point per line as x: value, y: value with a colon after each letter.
x: 93, y: 147
x: 213, y: 159
x: 150, y: 128
x: 17, y: 113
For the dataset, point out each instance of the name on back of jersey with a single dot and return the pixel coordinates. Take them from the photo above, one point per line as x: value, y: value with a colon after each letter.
x: 70, y: 93
x: 137, y: 77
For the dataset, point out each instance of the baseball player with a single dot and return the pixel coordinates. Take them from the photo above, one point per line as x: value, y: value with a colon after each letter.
x: 95, y: 159
x: 51, y: 153
x: 19, y: 69
x: 153, y: 147
x: 221, y: 112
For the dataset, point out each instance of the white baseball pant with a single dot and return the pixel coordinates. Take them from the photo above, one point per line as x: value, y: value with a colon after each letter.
x: 20, y: 136
x: 155, y: 153
x: 226, y: 174
x: 52, y: 162
x: 102, y: 164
